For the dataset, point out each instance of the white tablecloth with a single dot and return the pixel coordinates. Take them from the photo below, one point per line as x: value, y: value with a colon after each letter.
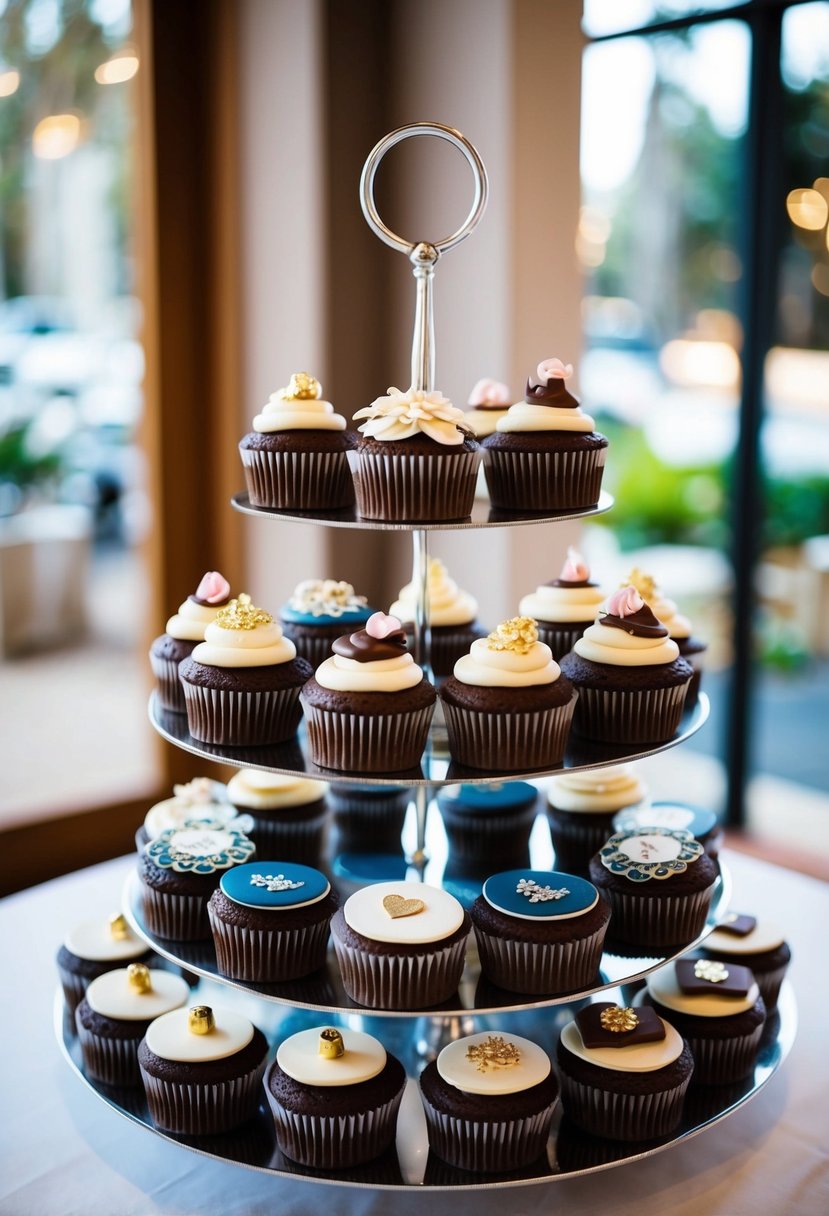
x: 62, y: 1151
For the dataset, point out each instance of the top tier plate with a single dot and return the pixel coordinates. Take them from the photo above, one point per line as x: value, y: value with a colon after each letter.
x: 483, y: 516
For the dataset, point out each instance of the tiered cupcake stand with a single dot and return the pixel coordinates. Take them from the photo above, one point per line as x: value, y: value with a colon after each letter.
x: 416, y: 1035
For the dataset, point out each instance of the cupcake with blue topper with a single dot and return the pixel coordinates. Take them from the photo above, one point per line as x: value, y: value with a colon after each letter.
x: 318, y: 612
x: 488, y: 825
x: 269, y: 921
x: 540, y: 931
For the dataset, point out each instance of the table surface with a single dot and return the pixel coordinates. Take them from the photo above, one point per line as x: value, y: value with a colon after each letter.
x: 64, y: 1152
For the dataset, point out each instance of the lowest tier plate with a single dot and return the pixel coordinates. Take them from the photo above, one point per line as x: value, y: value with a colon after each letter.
x: 484, y: 515
x: 436, y: 766
x: 409, y: 1164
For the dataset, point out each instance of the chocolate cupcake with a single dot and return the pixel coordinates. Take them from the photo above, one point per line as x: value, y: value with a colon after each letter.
x: 450, y: 613
x: 539, y: 931
x: 624, y: 1072
x: 488, y: 825
x: 94, y: 947
x: 269, y: 921
x: 113, y: 1018
x: 369, y: 706
x: 202, y: 1070
x: 415, y: 459
x: 701, y: 822
x: 563, y: 608
x: 320, y: 611
x: 631, y: 681
x: 507, y: 705
x: 242, y: 683
x: 369, y: 818
x: 180, y: 870
x: 758, y: 945
x: 334, y: 1095
x: 287, y: 815
x: 198, y: 801
x: 581, y: 808
x: 717, y: 1008
x: 545, y: 454
x: 184, y: 631
x: 679, y: 628
x: 489, y: 402
x: 489, y: 1100
x: 295, y: 456
x: 400, y: 945
x: 659, y: 883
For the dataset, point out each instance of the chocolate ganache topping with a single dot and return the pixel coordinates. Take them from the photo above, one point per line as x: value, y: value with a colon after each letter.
x: 628, y: 611
x: 383, y: 638
x: 547, y: 386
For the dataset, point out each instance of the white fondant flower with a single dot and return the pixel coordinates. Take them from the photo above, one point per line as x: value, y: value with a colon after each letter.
x: 403, y: 415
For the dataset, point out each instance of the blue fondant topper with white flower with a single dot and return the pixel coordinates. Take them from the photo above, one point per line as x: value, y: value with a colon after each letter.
x: 200, y: 847
x: 675, y: 815
x: 272, y: 885
x: 644, y: 853
x: 539, y: 894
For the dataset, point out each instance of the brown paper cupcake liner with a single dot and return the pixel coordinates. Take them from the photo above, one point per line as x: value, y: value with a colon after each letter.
x: 180, y: 918
x: 294, y: 841
x: 618, y: 1116
x: 487, y: 1147
x: 74, y: 988
x: 268, y: 956
x: 305, y: 481
x: 722, y: 1061
x: 242, y: 719
x: 641, y: 716
x: 575, y: 843
x: 367, y: 743
x: 509, y: 742
x: 112, y: 1061
x: 561, y: 638
x: 540, y: 967
x: 401, y: 487
x: 170, y: 691
x: 329, y: 1142
x: 544, y: 480
x: 472, y: 837
x: 195, y: 1109
x: 653, y: 922
x: 400, y: 981
x: 769, y: 983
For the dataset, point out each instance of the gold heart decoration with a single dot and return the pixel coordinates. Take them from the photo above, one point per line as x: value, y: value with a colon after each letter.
x: 396, y: 906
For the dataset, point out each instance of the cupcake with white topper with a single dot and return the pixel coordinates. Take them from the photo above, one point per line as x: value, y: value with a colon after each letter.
x: 416, y: 458
x: 545, y: 453
x: 631, y: 680
x: 581, y: 807
x: 539, y: 931
x: 507, y: 705
x: 368, y: 706
x: 93, y: 947
x: 295, y: 456
x: 488, y: 403
x: 450, y: 612
x: 185, y: 629
x: 563, y: 608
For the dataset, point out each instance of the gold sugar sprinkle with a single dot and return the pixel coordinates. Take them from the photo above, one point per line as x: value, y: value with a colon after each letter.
x: 302, y: 386
x: 494, y: 1052
x: 711, y: 970
x: 644, y: 583
x: 518, y: 634
x: 618, y: 1018
x: 241, y: 614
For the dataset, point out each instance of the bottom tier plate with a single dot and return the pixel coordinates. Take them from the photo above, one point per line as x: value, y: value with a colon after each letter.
x: 570, y: 1152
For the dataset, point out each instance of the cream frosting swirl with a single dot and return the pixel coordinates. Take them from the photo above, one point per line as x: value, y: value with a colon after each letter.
x: 402, y: 415
x: 615, y: 645
x: 599, y: 789
x: 446, y: 604
x: 199, y: 610
x: 493, y: 662
x: 258, y: 790
x: 352, y: 669
x: 522, y: 416
x: 666, y: 610
x: 298, y: 407
x: 490, y: 401
x: 244, y: 636
x: 566, y: 600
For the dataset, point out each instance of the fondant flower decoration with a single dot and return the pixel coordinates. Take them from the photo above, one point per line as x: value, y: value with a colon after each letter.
x: 519, y: 634
x: 644, y: 583
x: 553, y: 369
x: 242, y: 614
x: 619, y: 1019
x: 625, y: 602
x: 489, y: 392
x: 380, y: 626
x: 301, y: 387
x: 494, y: 1052
x: 575, y: 568
x: 213, y: 588
x: 200, y: 789
x: 325, y: 597
x: 403, y: 415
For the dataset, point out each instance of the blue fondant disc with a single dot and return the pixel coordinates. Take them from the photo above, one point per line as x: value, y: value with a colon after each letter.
x: 348, y: 619
x: 539, y: 894
x: 370, y: 867
x: 696, y: 820
x: 271, y: 885
x: 501, y: 796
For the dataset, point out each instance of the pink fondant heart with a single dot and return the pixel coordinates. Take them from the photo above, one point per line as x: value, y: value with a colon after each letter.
x: 379, y: 625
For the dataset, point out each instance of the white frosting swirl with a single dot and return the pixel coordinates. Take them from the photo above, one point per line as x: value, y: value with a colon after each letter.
x: 440, y: 917
x: 170, y: 1038
x: 764, y: 936
x: 664, y: 988
x: 485, y: 667
x: 382, y: 675
x: 569, y: 605
x: 191, y: 621
x: 618, y: 648
x: 446, y: 604
x: 526, y: 417
x: 285, y: 413
x: 258, y: 790
x: 262, y: 646
x: 666, y: 611
x: 484, y: 422
x: 299, y: 1056
x: 637, y: 1057
x: 404, y: 415
x: 600, y: 789
x: 113, y: 996
x: 457, y: 1068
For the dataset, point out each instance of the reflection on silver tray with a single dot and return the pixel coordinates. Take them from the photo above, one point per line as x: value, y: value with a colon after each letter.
x: 570, y: 1152
x: 436, y: 768
x: 483, y: 516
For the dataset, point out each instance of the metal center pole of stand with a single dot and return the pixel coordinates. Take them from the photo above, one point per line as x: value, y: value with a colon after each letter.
x: 422, y: 656
x: 423, y: 258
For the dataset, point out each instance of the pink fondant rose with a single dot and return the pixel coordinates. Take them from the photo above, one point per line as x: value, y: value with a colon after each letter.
x: 489, y: 392
x: 553, y: 369
x: 575, y: 568
x: 213, y: 589
x: 625, y: 602
x: 380, y: 626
